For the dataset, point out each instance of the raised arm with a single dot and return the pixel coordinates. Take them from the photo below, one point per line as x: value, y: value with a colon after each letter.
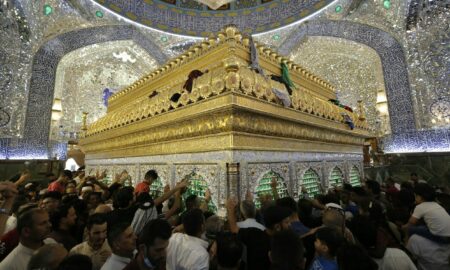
x: 172, y: 211
x: 204, y: 204
x: 24, y: 176
x: 274, y: 185
x: 231, y: 215
x: 169, y: 194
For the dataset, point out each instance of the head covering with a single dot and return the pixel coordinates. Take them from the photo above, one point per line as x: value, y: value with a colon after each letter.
x: 29, y: 185
x: 333, y: 206
x: 86, y: 188
x: 275, y: 214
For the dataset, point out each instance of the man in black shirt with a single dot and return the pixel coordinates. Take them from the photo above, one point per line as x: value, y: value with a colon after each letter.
x: 257, y: 242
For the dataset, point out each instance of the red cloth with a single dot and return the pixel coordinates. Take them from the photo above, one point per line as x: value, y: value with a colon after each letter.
x: 8, y: 242
x: 56, y: 186
x: 142, y: 187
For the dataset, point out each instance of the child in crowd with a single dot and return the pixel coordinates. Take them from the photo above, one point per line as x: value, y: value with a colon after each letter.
x: 327, y: 243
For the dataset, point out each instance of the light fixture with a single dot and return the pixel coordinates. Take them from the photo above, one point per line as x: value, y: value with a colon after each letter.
x: 215, y: 4
x: 56, y: 116
x: 56, y: 109
x: 382, y: 106
x: 381, y: 97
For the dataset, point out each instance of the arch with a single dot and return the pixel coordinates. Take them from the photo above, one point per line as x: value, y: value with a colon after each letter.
x: 336, y: 178
x: 311, y: 182
x: 198, y: 186
x: 264, y: 186
x: 45, y: 62
x: 392, y: 57
x: 354, y: 177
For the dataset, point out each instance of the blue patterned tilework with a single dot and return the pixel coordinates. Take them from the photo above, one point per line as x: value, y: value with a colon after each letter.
x: 38, y: 116
x: 419, y: 141
x: 166, y: 17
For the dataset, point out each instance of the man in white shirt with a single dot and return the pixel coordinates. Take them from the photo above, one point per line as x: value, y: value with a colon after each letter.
x: 248, y: 211
x: 122, y: 240
x: 386, y: 258
x: 48, y: 256
x: 96, y: 247
x: 436, y: 219
x: 395, y: 259
x: 188, y: 251
x: 33, y: 227
x: 429, y: 254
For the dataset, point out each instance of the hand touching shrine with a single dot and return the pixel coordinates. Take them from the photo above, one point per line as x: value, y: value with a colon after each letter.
x: 231, y: 203
x: 184, y: 183
x: 169, y: 192
x: 274, y: 185
x: 207, y: 195
x: 166, y: 188
x: 274, y: 182
x: 249, y: 196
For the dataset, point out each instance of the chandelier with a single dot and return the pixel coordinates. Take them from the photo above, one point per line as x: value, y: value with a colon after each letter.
x: 215, y: 4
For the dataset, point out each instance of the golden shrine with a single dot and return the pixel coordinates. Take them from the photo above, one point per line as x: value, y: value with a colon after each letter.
x: 230, y: 108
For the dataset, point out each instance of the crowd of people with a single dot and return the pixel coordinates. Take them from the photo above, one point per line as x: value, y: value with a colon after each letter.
x: 75, y: 221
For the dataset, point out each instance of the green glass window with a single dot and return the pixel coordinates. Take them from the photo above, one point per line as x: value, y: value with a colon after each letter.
x: 336, y: 178
x: 156, y: 188
x: 355, y: 179
x: 264, y: 187
x: 198, y: 186
x: 311, y: 180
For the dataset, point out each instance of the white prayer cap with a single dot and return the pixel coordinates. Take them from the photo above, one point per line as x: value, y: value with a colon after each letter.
x: 333, y: 206
x: 28, y: 185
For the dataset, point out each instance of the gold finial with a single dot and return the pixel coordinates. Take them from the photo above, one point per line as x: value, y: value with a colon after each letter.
x: 221, y: 36
x: 204, y: 44
x: 362, y: 115
x: 246, y: 41
x: 84, y: 122
x: 212, y: 40
x: 231, y: 31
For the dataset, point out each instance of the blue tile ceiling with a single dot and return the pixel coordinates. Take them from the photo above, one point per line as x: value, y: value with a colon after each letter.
x: 200, y: 22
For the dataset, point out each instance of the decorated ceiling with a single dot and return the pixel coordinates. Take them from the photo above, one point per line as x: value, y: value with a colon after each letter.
x: 192, y: 18
x: 361, y: 46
